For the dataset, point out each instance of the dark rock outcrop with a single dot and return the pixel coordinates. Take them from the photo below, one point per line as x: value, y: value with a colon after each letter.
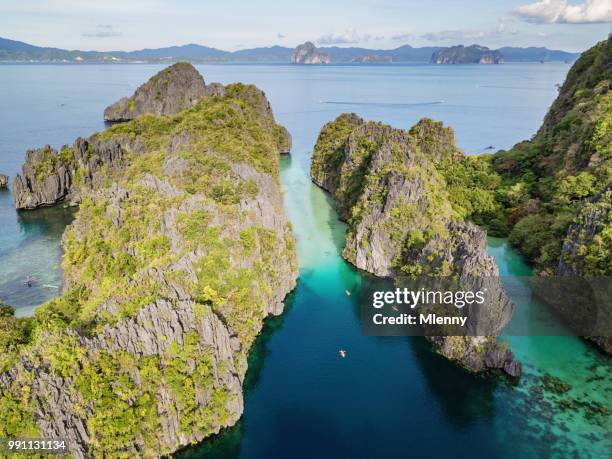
x: 308, y: 53
x: 474, y: 54
x: 50, y: 176
x: 387, y: 187
x: 175, y: 88
x: 3, y: 181
x: 42, y: 187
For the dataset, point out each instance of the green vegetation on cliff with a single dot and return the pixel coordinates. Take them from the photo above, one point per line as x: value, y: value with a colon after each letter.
x: 342, y: 164
x: 547, y: 179
x: 438, y: 183
x: 171, y: 266
x: 407, y: 197
x: 588, y: 245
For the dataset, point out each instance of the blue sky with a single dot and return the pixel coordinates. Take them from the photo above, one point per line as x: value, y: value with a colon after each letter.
x: 233, y: 24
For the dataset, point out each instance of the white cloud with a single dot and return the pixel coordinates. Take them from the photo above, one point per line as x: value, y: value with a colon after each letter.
x: 346, y: 37
x: 456, y: 35
x: 503, y: 27
x: 102, y: 31
x: 559, y: 11
x: 404, y: 36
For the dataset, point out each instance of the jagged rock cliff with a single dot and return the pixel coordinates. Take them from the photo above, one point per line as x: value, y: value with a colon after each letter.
x: 175, y: 88
x: 308, y: 53
x: 178, y: 253
x: 50, y: 176
x: 387, y: 186
x: 3, y: 181
x: 474, y: 54
x: 556, y: 185
x: 587, y: 251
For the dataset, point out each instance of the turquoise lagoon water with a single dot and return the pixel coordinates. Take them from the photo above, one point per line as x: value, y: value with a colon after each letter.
x: 391, y: 396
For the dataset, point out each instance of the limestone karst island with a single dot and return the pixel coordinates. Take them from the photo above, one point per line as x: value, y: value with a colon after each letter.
x: 262, y: 231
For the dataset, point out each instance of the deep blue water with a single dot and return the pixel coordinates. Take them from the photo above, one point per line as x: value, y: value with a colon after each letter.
x: 391, y: 397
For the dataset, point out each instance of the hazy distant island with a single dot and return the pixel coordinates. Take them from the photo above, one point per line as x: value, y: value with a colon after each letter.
x: 308, y: 53
x: 17, y: 51
x: 474, y: 54
x: 373, y: 59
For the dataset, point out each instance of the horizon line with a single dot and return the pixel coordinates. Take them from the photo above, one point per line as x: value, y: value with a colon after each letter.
x: 281, y: 46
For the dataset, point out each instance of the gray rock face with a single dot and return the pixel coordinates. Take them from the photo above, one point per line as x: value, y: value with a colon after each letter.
x: 467, y: 55
x: 307, y: 53
x: 175, y: 88
x: 386, y: 186
x: 49, y: 176
x: 40, y: 187
x: 592, y: 219
x: 3, y: 181
x: 477, y: 354
x: 585, y: 238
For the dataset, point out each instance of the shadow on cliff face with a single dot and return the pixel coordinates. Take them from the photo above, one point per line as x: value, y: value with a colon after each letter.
x: 50, y: 221
x: 464, y: 398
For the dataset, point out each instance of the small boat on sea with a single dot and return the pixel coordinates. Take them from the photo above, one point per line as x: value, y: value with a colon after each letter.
x: 342, y: 353
x: 29, y: 281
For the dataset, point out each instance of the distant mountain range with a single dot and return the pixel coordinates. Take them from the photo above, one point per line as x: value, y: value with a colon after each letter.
x: 17, y: 51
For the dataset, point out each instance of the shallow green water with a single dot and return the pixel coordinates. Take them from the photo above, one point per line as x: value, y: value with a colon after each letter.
x: 571, y: 359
